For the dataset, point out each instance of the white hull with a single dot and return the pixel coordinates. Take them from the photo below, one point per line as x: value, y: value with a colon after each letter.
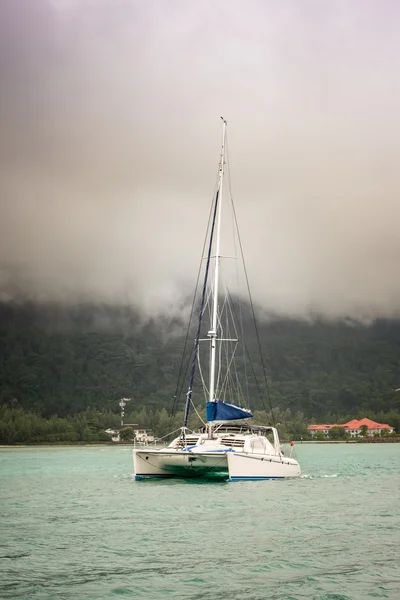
x: 177, y: 463
x: 243, y: 466
x: 233, y: 464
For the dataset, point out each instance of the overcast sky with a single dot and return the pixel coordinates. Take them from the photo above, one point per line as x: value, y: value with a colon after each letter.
x: 110, y: 133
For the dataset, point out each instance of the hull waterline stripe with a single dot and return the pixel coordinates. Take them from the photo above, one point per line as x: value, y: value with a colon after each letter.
x: 254, y: 478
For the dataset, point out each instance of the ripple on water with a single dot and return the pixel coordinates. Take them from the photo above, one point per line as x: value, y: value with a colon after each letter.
x: 73, y: 524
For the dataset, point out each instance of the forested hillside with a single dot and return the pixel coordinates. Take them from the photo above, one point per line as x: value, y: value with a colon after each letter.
x: 63, y: 361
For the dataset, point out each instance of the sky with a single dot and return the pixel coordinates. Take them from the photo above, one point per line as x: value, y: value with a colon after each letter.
x: 110, y: 133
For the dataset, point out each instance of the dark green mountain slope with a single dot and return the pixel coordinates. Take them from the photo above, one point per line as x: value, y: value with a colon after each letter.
x: 65, y: 360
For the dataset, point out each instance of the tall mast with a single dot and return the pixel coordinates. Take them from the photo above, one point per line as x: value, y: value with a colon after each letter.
x: 214, y: 322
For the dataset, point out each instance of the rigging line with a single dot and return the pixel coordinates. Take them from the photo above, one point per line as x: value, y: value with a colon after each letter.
x: 234, y: 378
x: 180, y: 381
x: 236, y: 332
x: 228, y: 378
x: 224, y: 350
x: 229, y: 359
x: 203, y: 383
x: 203, y: 296
x: 168, y: 434
x: 246, y: 393
x: 254, y: 318
x: 236, y: 230
x: 248, y: 289
x: 239, y: 390
x: 195, y: 410
x: 227, y: 349
x: 207, y: 302
x: 244, y: 356
x: 219, y: 325
x: 241, y: 328
x: 220, y: 348
x: 177, y: 394
x: 254, y: 374
x: 230, y: 365
x: 228, y: 170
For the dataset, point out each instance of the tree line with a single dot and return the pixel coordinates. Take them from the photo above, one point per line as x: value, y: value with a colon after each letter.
x: 19, y: 426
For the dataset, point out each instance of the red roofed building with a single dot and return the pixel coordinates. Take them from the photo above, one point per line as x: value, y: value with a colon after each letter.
x: 353, y: 427
x: 313, y: 429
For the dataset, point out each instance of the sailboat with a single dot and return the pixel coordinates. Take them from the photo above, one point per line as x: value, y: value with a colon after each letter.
x: 228, y: 445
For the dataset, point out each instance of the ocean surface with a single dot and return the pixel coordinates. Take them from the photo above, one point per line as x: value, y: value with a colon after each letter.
x: 74, y: 524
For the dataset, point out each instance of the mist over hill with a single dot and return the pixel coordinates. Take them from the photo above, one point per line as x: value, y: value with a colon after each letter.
x: 109, y: 114
x: 64, y: 359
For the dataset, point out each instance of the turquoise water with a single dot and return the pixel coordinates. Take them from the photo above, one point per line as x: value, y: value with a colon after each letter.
x: 74, y: 524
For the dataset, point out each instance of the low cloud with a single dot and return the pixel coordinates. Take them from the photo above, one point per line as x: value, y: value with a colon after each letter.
x: 109, y: 115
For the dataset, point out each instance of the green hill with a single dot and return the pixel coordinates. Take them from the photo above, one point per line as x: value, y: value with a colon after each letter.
x: 65, y: 360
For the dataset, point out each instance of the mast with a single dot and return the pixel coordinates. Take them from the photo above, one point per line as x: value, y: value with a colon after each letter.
x: 216, y: 220
x: 212, y: 334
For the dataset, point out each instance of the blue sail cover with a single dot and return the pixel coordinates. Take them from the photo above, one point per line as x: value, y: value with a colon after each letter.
x: 222, y: 411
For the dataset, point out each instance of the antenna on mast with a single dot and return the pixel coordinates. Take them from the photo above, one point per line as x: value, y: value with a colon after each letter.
x: 122, y: 404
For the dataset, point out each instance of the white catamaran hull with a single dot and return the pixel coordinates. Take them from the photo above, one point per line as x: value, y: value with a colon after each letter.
x: 177, y: 463
x: 243, y: 466
x: 234, y: 465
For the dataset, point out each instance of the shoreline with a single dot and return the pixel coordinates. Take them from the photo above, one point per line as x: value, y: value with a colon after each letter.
x: 68, y: 445
x: 395, y: 440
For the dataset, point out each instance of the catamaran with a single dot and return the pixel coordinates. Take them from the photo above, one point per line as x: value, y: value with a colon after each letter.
x: 228, y: 445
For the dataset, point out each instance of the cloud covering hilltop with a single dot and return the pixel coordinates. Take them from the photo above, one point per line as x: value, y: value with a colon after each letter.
x: 110, y: 136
